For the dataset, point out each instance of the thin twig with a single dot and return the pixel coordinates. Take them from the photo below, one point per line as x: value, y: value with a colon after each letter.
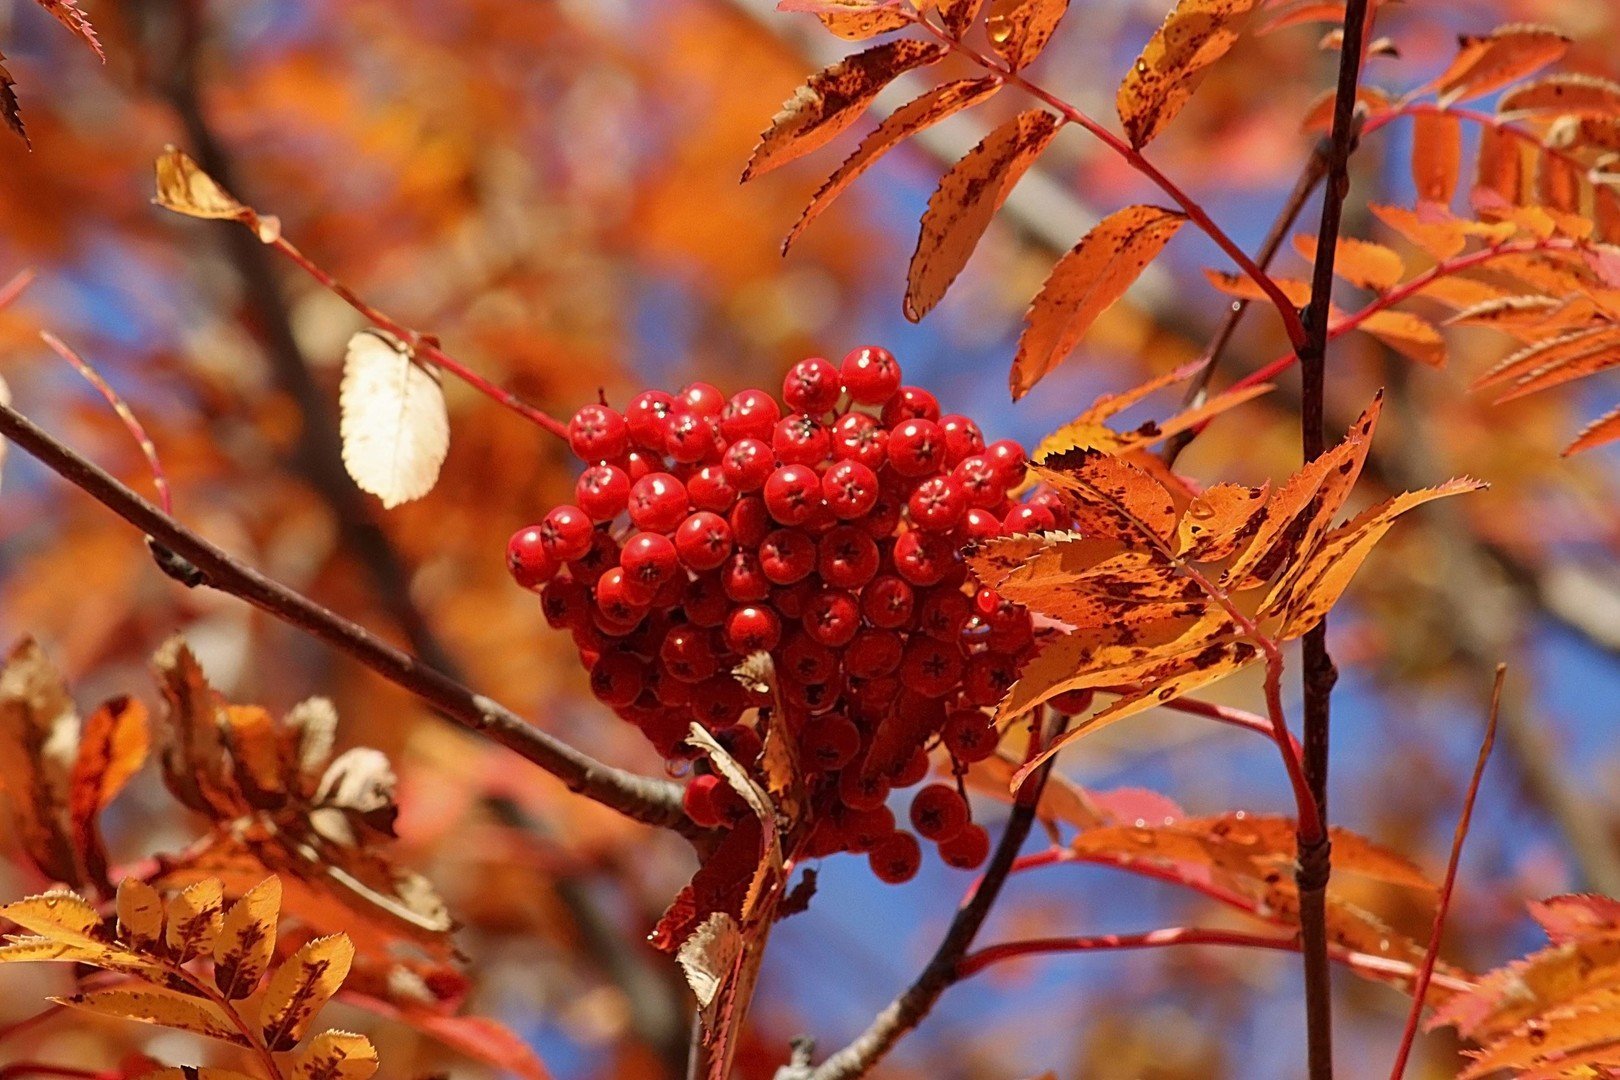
x: 1432, y: 954
x: 649, y: 800
x: 1319, y: 675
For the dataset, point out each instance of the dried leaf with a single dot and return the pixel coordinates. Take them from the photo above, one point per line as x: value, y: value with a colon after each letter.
x: 968, y: 197
x: 1084, y: 284
x: 959, y: 15
x: 112, y: 748
x: 194, y: 918
x: 709, y: 956
x: 852, y: 20
x: 156, y: 1005
x: 917, y: 115
x: 833, y: 99
x: 247, y: 940
x: 39, y: 736
x: 1498, y: 168
x: 1194, y: 35
x: 395, y: 429
x: 69, y: 14
x: 336, y: 1055
x: 183, y: 187
x: 1020, y: 29
x: 303, y: 983
x: 1436, y: 155
x: 1492, y: 61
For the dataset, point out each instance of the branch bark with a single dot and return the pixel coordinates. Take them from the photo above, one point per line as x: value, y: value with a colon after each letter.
x: 645, y: 799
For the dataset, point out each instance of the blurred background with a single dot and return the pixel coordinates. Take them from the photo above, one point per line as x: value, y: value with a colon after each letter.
x: 550, y: 186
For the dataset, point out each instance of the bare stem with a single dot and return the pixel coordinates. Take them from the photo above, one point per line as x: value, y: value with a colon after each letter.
x: 653, y: 801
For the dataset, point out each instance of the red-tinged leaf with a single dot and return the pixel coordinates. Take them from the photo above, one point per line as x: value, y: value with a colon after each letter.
x: 112, y: 748
x: 1137, y: 806
x: 968, y: 197
x: 10, y: 107
x: 959, y: 14
x: 39, y: 732
x: 67, y: 13
x: 1244, y: 287
x: 1548, y: 355
x: 1084, y: 284
x: 1584, y: 1032
x: 833, y: 99
x: 1577, y: 915
x: 1492, y: 61
x: 1569, y: 95
x: 1304, y: 13
x: 1605, y: 429
x: 475, y: 1037
x: 1194, y: 35
x: 1360, y: 262
x: 1436, y: 155
x: 1020, y: 29
x: 917, y: 115
x: 1409, y: 335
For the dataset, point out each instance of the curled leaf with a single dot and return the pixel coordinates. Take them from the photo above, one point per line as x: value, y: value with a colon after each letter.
x: 183, y: 187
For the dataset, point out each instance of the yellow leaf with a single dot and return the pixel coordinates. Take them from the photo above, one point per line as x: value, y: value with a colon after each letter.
x: 916, y: 115
x: 1360, y: 262
x: 156, y: 1005
x: 833, y: 99
x: 140, y: 914
x: 303, y: 983
x: 395, y: 429
x: 1413, y: 337
x: 247, y: 940
x: 183, y: 187
x: 336, y: 1055
x: 1436, y: 155
x: 967, y: 198
x: 194, y: 917
x: 60, y: 916
x: 1503, y: 56
x: 1020, y: 29
x: 21, y: 949
x: 1194, y: 35
x: 1084, y: 284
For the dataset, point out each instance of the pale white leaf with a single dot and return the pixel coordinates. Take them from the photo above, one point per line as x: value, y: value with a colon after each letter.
x: 395, y: 427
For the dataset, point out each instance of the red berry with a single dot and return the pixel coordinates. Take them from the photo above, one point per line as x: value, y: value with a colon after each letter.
x: 937, y: 504
x: 787, y: 556
x: 979, y: 524
x: 706, y: 601
x: 701, y: 398
x: 565, y: 603
x: 1028, y: 518
x: 870, y: 374
x: 806, y: 661
x: 938, y: 812
x: 800, y: 439
x: 620, y: 599
x: 979, y: 480
x: 698, y: 801
x: 989, y: 677
x: 970, y: 735
x: 1073, y: 702
x: 962, y: 437
x: 873, y: 653
x: 847, y: 557
x: 931, y: 668
x: 915, y: 768
x: 742, y: 578
x: 616, y: 680
x: 530, y: 563
x: 687, y: 655
x: 968, y: 849
x: 944, y: 615
x: 750, y: 414
x: 858, y: 437
x: 1008, y: 458
x: 649, y: 560
x: 597, y: 432
x: 752, y: 629
x: 866, y: 829
x: 850, y: 488
x: 830, y: 742
x: 896, y: 859
x: 645, y: 418
x: 861, y: 790
x: 748, y: 463
x: 742, y: 743
x: 793, y: 494
x: 811, y: 386
x: 749, y: 521
x: 690, y: 437
x: 657, y: 502
x: 565, y: 534
x: 916, y: 448
x: 602, y: 491
x: 601, y: 553
x: 703, y: 540
x: 708, y: 489
x: 638, y: 463
x: 910, y: 403
x: 887, y: 602
x: 921, y: 558
x: 832, y: 617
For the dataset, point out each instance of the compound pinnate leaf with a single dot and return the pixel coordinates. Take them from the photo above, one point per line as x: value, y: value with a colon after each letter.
x: 336, y: 1055
x: 967, y: 198
x: 1194, y: 35
x: 833, y: 99
x: 298, y: 989
x: 163, y: 1007
x: 247, y: 940
x: 1084, y: 284
x: 1020, y: 29
x: 395, y: 428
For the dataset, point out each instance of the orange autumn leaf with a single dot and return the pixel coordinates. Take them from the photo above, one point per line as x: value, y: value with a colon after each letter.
x: 1020, y: 29
x: 1194, y: 35
x: 1491, y: 61
x: 1436, y: 155
x: 1360, y: 262
x: 1569, y: 95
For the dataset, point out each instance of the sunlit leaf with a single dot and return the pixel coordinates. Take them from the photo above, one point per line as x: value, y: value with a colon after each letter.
x: 1436, y: 155
x: 10, y: 108
x: 194, y: 917
x: 1360, y: 262
x: 395, y: 429
x: 39, y: 736
x: 1505, y: 55
x: 160, y: 1006
x: 1409, y: 335
x: 298, y: 989
x: 1194, y: 35
x: 1020, y: 29
x: 247, y: 940
x: 183, y: 187
x: 140, y: 913
x: 709, y: 955
x: 1570, y: 95
x: 336, y: 1055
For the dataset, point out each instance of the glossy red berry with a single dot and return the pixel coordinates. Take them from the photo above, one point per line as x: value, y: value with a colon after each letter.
x: 649, y: 560
x: 657, y: 502
x: 703, y: 540
x: 978, y: 524
x: 1008, y: 458
x: 800, y: 439
x: 896, y: 859
x: 968, y: 849
x: 916, y: 448
x: 749, y: 520
x: 687, y: 655
x: 850, y: 488
x: 888, y: 602
x: 969, y: 735
x: 922, y: 558
x: 847, y: 557
x: 807, y: 661
x: 706, y: 601
x: 829, y: 742
x: 858, y: 437
x: 748, y: 463
x: 708, y: 489
x: 743, y: 579
x: 873, y: 653
x: 751, y: 629
x: 617, y: 679
x: 645, y: 418
x: 690, y: 438
x: 963, y: 438
x: 866, y: 829
x: 602, y: 491
x: 979, y: 481
x: 702, y: 399
x: 870, y: 375
x: 859, y: 789
x: 832, y: 617
x: 750, y: 414
x: 565, y: 602
x: 937, y: 504
x: 530, y: 564
x: 1028, y: 518
x: 597, y: 433
x: 931, y: 668
x: 620, y: 599
x: 698, y: 801
x: 938, y: 812
x: 793, y: 494
x: 787, y: 556
x: 565, y: 534
x: 812, y: 386
x: 910, y: 403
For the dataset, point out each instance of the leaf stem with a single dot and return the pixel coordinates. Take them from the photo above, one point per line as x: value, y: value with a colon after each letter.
x: 1133, y: 157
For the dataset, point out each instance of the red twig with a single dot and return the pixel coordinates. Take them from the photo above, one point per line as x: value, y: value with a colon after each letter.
x: 14, y: 288
x: 160, y: 480
x: 1134, y: 158
x: 1431, y: 955
x: 1225, y: 714
x: 976, y: 962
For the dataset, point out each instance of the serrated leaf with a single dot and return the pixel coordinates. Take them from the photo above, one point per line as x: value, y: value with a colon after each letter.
x: 69, y: 14
x: 163, y: 1007
x: 1436, y: 155
x: 61, y: 916
x: 1413, y: 337
x: 959, y: 15
x: 196, y: 764
x: 336, y: 1055
x: 853, y: 20
x: 1570, y: 95
x: 1084, y: 284
x: 183, y: 187
x: 23, y: 949
x: 833, y: 99
x: 194, y: 916
x: 1430, y: 229
x: 303, y: 983
x: 140, y: 914
x: 396, y: 431
x: 1576, y: 915
x: 967, y: 198
x: 1020, y: 29
x: 1243, y: 287
x: 709, y: 956
x: 1492, y: 61
x: 1194, y: 35
x: 247, y: 940
x: 10, y: 108
x: 1605, y: 429
x: 1360, y: 262
x: 916, y: 115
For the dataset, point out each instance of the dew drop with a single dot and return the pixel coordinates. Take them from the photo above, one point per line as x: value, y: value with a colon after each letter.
x: 677, y: 768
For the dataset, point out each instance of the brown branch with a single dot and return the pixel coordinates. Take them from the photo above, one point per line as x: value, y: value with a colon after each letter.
x: 917, y: 1000
x: 1319, y: 675
x: 187, y: 556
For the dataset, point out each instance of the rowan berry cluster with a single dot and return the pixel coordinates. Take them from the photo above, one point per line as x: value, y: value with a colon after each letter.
x: 826, y: 531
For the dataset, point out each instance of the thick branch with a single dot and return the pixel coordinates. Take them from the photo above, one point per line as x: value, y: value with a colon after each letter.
x: 655, y: 802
